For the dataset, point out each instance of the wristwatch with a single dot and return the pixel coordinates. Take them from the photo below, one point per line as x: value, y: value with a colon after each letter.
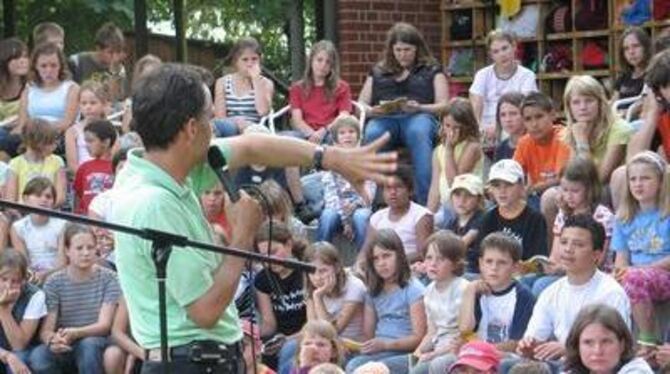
x: 317, y: 160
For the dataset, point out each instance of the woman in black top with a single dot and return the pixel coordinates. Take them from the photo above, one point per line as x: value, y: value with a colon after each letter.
x: 404, y: 93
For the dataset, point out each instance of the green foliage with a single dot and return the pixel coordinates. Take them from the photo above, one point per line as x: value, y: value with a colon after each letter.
x: 79, y: 18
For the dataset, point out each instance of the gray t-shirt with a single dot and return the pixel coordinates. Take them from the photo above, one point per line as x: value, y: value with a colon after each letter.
x: 78, y: 303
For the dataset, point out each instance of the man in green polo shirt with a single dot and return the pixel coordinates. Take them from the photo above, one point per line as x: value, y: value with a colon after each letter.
x: 159, y: 188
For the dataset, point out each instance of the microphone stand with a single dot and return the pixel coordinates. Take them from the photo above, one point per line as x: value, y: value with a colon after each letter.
x: 162, y: 243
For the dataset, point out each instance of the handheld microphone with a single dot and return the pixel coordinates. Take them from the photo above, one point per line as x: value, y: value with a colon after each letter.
x: 218, y: 163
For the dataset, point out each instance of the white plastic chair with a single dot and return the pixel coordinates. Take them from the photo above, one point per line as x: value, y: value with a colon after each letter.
x: 269, y: 120
x: 629, y: 104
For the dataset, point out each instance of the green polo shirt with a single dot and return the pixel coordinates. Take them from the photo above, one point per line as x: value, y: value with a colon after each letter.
x: 145, y: 196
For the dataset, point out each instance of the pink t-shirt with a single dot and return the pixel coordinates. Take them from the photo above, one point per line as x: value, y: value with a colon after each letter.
x: 316, y: 109
x: 405, y: 227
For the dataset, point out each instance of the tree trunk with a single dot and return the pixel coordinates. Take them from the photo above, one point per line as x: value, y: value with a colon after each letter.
x: 180, y: 29
x: 141, y: 33
x: 296, y: 37
x: 8, y: 18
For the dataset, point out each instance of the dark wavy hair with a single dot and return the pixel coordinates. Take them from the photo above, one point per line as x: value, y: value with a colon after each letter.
x: 389, y: 240
x: 404, y: 33
x: 164, y: 100
x: 460, y: 109
x: 10, y: 49
x: 610, y: 319
x: 280, y: 234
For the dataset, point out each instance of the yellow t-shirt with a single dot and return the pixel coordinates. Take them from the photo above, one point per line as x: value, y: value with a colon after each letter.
x: 618, y: 134
x: 440, y: 154
x: 26, y: 170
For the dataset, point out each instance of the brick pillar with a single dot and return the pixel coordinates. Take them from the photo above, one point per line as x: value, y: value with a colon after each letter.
x: 362, y: 27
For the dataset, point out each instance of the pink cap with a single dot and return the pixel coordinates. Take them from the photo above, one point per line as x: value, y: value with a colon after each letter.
x: 478, y: 355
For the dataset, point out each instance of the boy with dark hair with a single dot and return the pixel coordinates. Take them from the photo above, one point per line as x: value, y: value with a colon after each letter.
x: 511, y: 214
x: 105, y: 64
x: 581, y: 246
x: 49, y: 32
x: 541, y: 152
x: 96, y: 175
x: 495, y: 308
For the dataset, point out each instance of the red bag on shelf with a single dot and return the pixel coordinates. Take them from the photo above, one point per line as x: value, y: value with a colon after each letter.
x: 593, y: 55
x: 661, y: 10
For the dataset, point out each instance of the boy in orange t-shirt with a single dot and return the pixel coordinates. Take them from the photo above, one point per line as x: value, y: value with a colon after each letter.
x: 540, y: 152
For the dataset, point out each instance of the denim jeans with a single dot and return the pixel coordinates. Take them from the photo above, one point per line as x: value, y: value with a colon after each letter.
x: 224, y: 128
x: 85, y: 356
x: 417, y: 132
x: 326, y: 140
x: 330, y: 223
x: 287, y: 355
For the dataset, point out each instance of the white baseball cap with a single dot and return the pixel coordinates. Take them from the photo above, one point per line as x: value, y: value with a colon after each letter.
x: 506, y: 170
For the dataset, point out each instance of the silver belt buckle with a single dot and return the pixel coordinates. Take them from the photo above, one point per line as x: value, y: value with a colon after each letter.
x: 155, y: 355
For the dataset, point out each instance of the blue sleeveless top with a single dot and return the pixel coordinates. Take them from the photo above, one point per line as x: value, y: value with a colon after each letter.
x: 48, y: 105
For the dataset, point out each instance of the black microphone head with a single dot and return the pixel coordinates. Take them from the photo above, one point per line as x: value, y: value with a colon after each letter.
x: 215, y: 158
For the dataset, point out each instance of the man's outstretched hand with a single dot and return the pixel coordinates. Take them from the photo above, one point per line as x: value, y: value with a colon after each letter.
x: 362, y: 163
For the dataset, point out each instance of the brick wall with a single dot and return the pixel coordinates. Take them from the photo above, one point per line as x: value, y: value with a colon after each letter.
x: 362, y: 26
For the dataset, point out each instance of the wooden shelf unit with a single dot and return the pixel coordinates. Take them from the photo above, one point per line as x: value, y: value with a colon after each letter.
x: 552, y: 82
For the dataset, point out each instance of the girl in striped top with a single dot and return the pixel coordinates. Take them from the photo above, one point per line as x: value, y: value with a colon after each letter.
x: 244, y: 96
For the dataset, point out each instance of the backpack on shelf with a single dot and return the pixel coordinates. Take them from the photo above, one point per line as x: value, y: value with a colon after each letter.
x: 557, y: 58
x: 591, y: 15
x: 559, y: 19
x: 461, y: 62
x: 461, y: 25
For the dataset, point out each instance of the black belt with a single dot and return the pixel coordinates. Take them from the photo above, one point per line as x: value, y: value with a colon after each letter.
x: 199, y: 351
